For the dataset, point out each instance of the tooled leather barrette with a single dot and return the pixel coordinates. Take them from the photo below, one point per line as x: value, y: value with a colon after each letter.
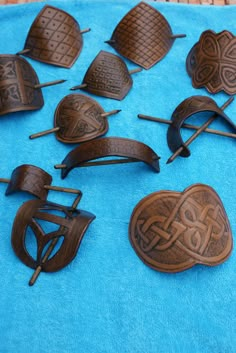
x: 77, y: 119
x: 143, y: 36
x: 57, y: 242
x: 211, y: 63
x: 20, y: 87
x: 107, y: 76
x: 190, y: 107
x: 54, y: 38
x: 173, y: 231
x: 129, y: 150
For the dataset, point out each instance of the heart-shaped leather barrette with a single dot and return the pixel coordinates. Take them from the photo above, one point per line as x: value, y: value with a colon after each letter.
x: 173, y: 231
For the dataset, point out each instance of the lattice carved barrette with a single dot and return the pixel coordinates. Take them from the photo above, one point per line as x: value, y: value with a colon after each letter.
x: 107, y: 76
x: 128, y: 151
x: 143, y: 36
x: 173, y: 231
x: 77, y: 119
x: 54, y: 38
x: 20, y: 87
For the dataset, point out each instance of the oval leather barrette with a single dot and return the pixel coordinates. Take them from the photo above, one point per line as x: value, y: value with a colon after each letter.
x: 107, y: 76
x: 173, y: 231
x: 54, y: 38
x: 130, y: 150
x: 187, y: 108
x: 20, y: 87
x: 77, y: 119
x: 211, y: 63
x: 143, y: 36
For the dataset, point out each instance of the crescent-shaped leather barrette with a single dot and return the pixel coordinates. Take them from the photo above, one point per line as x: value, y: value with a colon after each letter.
x: 131, y: 150
x: 78, y: 118
x: 143, y: 36
x: 211, y: 63
x: 173, y: 231
x: 107, y: 76
x: 54, y: 38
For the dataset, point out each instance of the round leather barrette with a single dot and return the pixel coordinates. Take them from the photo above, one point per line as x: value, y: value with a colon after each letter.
x: 143, y: 36
x: 211, y: 63
x: 107, y: 76
x: 77, y: 119
x: 173, y: 231
x: 130, y: 150
x: 54, y: 38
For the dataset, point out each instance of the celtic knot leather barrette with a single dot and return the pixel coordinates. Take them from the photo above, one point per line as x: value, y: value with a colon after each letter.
x: 20, y: 87
x: 77, y: 119
x: 143, y: 36
x: 211, y: 63
x: 173, y: 231
x: 54, y: 38
x: 107, y: 76
x: 130, y: 151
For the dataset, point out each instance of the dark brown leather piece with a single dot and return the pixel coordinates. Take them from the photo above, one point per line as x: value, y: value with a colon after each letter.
x: 79, y: 119
x: 143, y: 36
x: 17, y: 81
x: 110, y: 146
x: 172, y: 231
x: 72, y: 226
x: 211, y: 63
x: 108, y: 76
x: 31, y: 179
x: 184, y: 110
x: 54, y: 38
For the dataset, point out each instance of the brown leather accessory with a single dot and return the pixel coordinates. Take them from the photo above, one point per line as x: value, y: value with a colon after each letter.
x: 54, y: 38
x: 211, y: 63
x: 131, y: 150
x: 143, y: 36
x: 18, y: 82
x: 78, y: 118
x: 107, y: 76
x: 173, y: 231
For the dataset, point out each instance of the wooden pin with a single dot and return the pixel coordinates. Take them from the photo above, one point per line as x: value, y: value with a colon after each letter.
x: 51, y: 83
x: 174, y: 36
x: 86, y: 30
x: 24, y: 51
x: 98, y: 163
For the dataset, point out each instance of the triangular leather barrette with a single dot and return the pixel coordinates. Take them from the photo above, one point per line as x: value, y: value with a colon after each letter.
x: 211, y: 63
x: 20, y: 87
x: 143, y: 36
x: 54, y: 38
x: 78, y: 118
x: 107, y: 76
x: 173, y: 231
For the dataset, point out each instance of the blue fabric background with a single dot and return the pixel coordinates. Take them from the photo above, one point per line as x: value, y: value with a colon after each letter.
x: 107, y: 300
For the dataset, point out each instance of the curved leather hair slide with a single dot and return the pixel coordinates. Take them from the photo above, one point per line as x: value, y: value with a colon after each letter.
x: 211, y: 63
x: 173, y: 231
x: 54, y: 38
x: 107, y: 76
x: 132, y: 150
x: 143, y: 36
x: 72, y: 225
x: 77, y: 119
x: 184, y: 110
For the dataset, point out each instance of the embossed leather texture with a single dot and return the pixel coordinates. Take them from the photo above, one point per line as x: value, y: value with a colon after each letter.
x: 172, y: 231
x: 211, y: 62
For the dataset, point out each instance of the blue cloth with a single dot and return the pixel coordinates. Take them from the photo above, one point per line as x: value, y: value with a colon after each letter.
x: 107, y: 300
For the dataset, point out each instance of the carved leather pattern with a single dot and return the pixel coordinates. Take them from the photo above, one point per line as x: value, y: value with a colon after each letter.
x: 211, y: 62
x: 173, y: 231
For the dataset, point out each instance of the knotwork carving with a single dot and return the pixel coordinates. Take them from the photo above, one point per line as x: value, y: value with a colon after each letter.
x: 173, y: 231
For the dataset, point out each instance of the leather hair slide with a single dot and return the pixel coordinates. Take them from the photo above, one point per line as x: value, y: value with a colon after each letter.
x: 173, y: 231
x: 190, y: 107
x: 143, y: 36
x: 211, y: 63
x: 54, y: 38
x: 77, y: 119
x: 107, y: 76
x: 130, y: 151
x: 20, y: 87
